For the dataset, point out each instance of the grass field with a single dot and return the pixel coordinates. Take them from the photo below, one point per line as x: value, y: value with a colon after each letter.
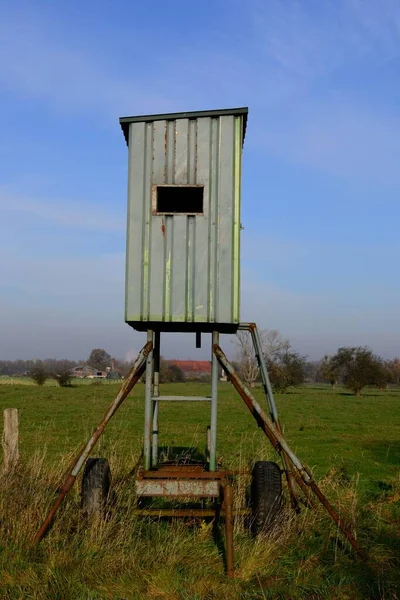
x: 352, y: 445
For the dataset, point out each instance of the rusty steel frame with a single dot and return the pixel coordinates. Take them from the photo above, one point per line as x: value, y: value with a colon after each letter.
x: 148, y: 404
x: 131, y: 380
x: 193, y: 480
x: 180, y: 481
x: 179, y: 487
x: 277, y: 440
x: 212, y: 465
x: 181, y: 472
x: 195, y: 513
x: 290, y: 476
x: 190, y: 482
x: 155, y: 396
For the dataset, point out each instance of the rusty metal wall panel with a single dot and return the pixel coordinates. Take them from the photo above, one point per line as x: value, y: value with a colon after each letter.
x: 184, y: 269
x: 178, y: 487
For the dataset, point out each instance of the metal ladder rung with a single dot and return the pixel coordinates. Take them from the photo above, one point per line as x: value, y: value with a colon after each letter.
x: 182, y: 398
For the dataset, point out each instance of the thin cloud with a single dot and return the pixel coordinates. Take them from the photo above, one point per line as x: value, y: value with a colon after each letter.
x: 69, y: 214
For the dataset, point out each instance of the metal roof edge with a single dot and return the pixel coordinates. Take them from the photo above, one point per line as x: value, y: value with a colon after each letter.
x: 126, y: 121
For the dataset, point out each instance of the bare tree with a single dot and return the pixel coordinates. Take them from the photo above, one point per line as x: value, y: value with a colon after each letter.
x: 272, y: 344
x: 246, y: 358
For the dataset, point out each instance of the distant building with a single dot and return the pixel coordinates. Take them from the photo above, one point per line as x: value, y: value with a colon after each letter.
x: 193, y: 369
x: 82, y: 371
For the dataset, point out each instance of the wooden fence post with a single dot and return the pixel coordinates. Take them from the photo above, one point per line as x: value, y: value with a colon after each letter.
x: 10, y: 439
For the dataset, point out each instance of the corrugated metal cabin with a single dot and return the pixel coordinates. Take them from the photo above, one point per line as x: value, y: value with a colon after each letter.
x: 183, y: 238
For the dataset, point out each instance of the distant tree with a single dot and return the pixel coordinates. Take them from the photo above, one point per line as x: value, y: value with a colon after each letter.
x: 38, y: 374
x: 394, y: 366
x: 272, y: 343
x: 176, y: 374
x: 99, y: 359
x: 21, y: 367
x: 286, y: 369
x: 329, y: 370
x: 382, y: 374
x: 246, y: 358
x: 170, y: 373
x: 359, y: 367
x: 311, y: 369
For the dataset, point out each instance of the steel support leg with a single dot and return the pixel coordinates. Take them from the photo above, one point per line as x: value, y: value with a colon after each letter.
x: 255, y: 336
x: 214, y: 404
x: 148, y: 409
x: 156, y: 393
x: 228, y: 510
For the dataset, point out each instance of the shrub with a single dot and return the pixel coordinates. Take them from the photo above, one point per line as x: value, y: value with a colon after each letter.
x: 39, y: 375
x: 64, y: 379
x: 286, y: 369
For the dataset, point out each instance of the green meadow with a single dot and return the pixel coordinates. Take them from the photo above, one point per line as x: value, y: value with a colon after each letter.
x: 352, y: 445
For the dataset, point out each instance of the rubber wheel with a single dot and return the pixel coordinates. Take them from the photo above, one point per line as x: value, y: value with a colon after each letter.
x: 265, y: 496
x: 96, y: 482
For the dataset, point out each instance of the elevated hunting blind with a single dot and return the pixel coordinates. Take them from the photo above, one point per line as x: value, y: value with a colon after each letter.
x: 182, y: 274
x: 182, y: 265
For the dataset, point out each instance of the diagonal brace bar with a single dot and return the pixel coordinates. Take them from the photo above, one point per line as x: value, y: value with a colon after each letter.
x: 258, y: 350
x: 131, y: 380
x: 281, y: 445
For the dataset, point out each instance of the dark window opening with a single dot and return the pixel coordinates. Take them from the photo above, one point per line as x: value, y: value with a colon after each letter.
x: 179, y: 199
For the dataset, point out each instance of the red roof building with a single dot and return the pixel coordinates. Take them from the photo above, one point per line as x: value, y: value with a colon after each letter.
x: 193, y: 369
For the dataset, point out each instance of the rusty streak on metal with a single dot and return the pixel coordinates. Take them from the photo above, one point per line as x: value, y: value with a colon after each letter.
x: 289, y: 475
x: 187, y: 512
x: 280, y: 444
x: 180, y: 473
x: 132, y: 378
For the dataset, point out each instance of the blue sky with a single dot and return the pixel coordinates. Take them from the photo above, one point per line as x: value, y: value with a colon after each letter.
x: 321, y: 174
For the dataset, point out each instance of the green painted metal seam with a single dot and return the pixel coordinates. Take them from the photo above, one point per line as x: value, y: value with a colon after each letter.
x: 217, y: 224
x: 213, y: 224
x: 189, y: 268
x: 128, y: 222
x: 236, y: 219
x: 146, y: 222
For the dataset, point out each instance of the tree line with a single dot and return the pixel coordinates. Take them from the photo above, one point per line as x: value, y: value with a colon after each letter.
x: 354, y: 367
x: 60, y: 370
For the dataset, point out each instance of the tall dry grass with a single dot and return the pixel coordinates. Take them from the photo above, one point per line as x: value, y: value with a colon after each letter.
x: 126, y: 557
